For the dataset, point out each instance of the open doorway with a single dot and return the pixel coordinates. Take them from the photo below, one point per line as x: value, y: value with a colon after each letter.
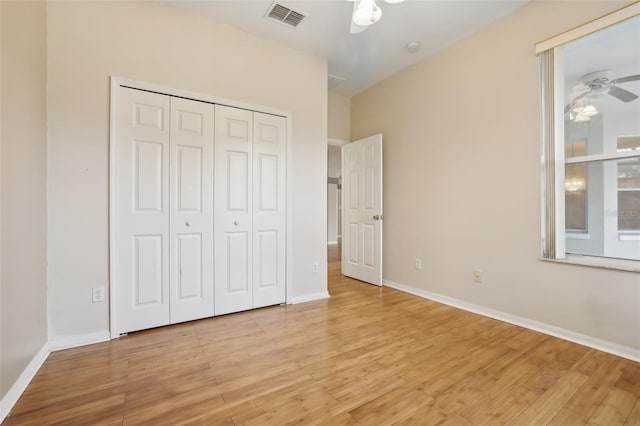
x: 334, y: 201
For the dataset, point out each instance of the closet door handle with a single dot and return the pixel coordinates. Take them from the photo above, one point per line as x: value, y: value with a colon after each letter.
x: 235, y: 222
x: 188, y: 224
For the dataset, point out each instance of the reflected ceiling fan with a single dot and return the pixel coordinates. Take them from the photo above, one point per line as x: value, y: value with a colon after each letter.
x: 366, y: 13
x: 600, y: 83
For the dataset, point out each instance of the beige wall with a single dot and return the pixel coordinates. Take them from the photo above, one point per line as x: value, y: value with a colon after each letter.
x: 462, y: 180
x: 23, y: 293
x: 88, y: 42
x: 339, y: 116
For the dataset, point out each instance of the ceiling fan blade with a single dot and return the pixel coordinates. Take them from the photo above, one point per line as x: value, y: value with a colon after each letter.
x: 622, y: 94
x: 625, y: 79
x: 568, y: 106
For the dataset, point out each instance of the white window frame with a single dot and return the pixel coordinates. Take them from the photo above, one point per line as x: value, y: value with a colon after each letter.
x: 553, y: 159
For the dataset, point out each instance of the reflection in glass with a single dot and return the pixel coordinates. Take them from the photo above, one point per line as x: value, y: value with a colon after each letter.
x: 575, y: 197
x: 629, y: 194
x: 601, y: 99
x: 575, y: 149
x: 602, y: 208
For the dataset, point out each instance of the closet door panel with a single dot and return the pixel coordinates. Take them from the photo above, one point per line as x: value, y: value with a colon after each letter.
x: 190, y: 283
x: 237, y: 182
x: 267, y: 259
x: 234, y: 204
x: 143, y: 210
x: 269, y: 214
x: 191, y: 204
x: 237, y: 263
x: 190, y: 176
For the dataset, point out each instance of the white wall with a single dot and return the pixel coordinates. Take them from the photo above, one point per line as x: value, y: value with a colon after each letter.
x: 462, y: 180
x: 88, y: 42
x: 23, y: 293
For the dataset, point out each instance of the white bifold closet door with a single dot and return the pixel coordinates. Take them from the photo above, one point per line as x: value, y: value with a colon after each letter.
x: 269, y: 214
x: 191, y: 210
x: 250, y: 219
x: 165, y: 209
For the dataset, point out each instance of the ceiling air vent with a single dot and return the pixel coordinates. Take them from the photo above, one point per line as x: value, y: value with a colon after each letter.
x: 283, y: 14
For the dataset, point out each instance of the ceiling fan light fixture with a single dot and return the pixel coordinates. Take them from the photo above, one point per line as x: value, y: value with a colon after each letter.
x: 366, y: 12
x: 589, y: 111
x: 581, y: 118
x: 583, y: 114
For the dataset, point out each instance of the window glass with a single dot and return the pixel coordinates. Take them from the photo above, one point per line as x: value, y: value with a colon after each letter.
x: 629, y: 186
x: 629, y: 144
x: 600, y: 91
x: 575, y: 187
x: 575, y: 149
x: 601, y: 76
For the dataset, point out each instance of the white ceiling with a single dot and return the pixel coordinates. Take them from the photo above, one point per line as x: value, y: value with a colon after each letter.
x: 369, y: 57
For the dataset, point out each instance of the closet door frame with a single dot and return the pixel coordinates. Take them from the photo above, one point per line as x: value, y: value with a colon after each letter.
x: 116, y: 84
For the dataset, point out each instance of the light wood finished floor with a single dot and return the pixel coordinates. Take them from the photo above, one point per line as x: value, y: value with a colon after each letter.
x: 368, y: 355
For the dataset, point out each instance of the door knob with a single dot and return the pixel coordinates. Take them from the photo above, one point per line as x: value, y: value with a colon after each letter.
x: 235, y: 222
x: 188, y: 224
x: 376, y: 217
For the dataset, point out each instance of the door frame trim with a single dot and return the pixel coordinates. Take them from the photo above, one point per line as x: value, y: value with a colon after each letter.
x: 336, y: 142
x: 115, y: 84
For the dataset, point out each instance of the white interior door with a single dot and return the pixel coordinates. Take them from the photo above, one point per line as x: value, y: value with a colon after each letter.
x: 362, y: 209
x: 191, y: 207
x: 143, y: 210
x: 233, y: 216
x: 269, y: 204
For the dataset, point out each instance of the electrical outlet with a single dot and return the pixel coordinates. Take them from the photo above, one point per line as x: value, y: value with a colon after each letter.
x: 97, y: 294
x: 477, y: 276
x: 315, y: 267
x: 418, y: 263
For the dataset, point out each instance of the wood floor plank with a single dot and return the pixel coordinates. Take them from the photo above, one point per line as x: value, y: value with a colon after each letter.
x: 368, y: 355
x: 102, y: 410
x: 630, y: 377
x: 391, y: 407
x: 615, y: 408
x: 583, y: 403
x: 634, y: 416
x: 506, y: 407
x: 552, y: 400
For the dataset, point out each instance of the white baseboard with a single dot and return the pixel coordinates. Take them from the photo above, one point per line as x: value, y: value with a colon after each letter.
x: 15, y: 392
x: 552, y: 330
x: 310, y: 297
x: 78, y: 340
x: 332, y: 243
